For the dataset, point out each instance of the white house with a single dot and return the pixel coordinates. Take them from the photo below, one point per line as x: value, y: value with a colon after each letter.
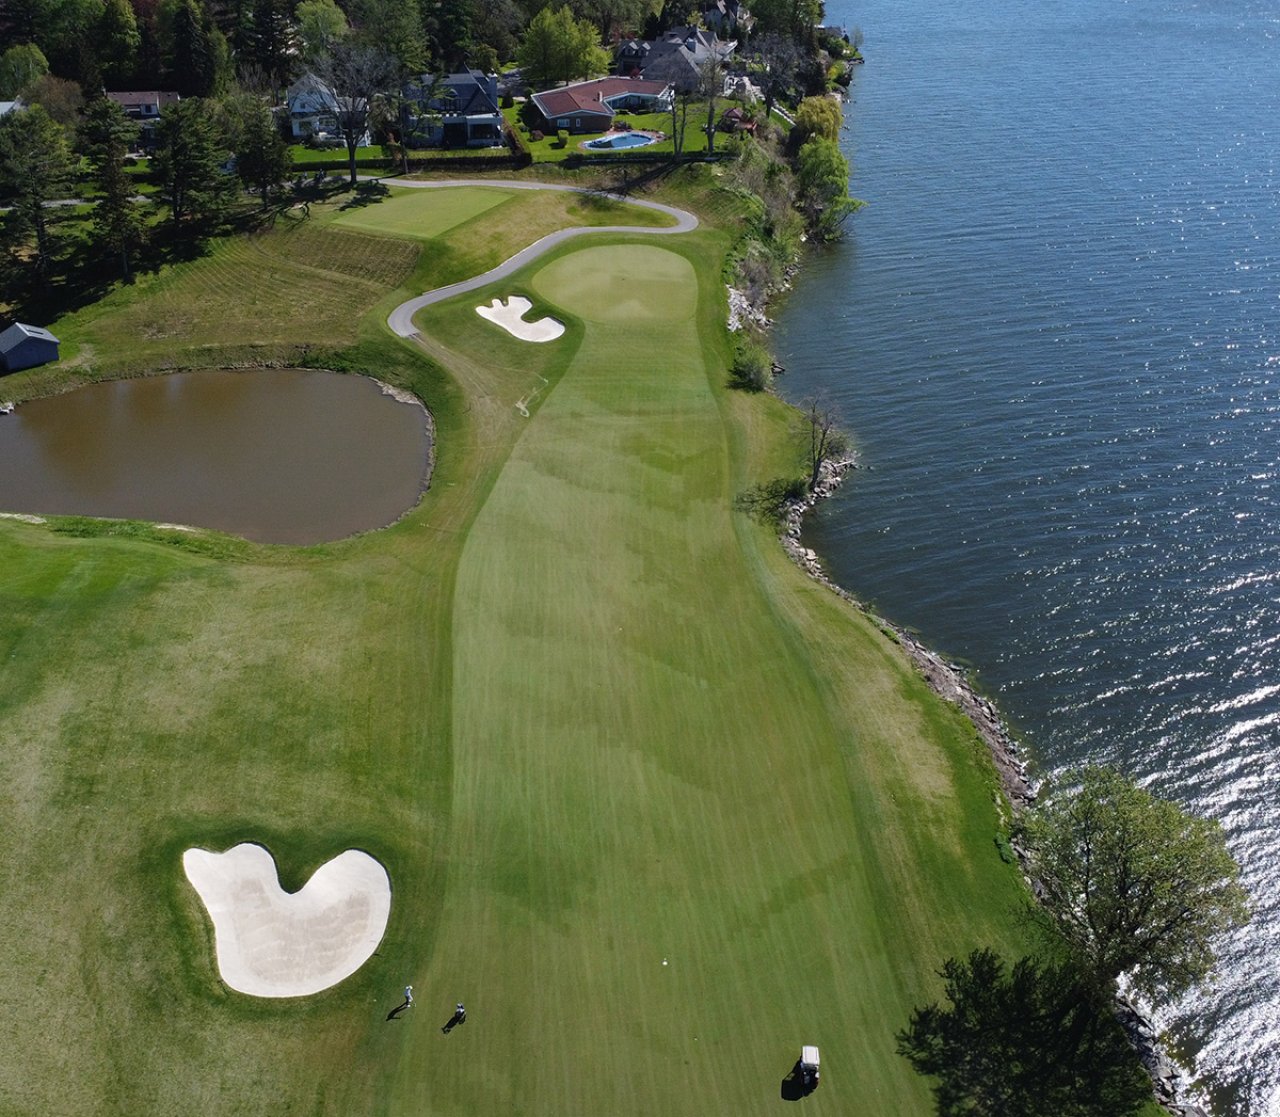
x: 313, y: 110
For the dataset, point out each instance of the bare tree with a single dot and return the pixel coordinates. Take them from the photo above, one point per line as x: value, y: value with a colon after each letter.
x: 711, y: 82
x: 680, y: 102
x: 821, y: 438
x: 780, y: 59
x: 355, y: 75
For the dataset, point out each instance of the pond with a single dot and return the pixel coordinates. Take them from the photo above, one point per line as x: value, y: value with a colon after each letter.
x: 274, y: 455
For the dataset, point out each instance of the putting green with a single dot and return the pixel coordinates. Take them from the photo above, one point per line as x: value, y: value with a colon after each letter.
x: 423, y: 214
x: 632, y: 283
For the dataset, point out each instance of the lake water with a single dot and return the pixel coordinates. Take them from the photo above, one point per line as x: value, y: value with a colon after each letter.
x: 274, y: 455
x: 1055, y: 334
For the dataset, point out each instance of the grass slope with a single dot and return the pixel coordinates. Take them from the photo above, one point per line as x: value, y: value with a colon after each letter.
x: 586, y: 715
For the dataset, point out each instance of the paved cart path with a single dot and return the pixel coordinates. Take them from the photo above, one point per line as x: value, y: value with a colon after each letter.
x: 401, y: 319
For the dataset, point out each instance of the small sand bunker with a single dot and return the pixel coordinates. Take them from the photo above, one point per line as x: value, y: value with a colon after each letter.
x: 272, y: 944
x: 510, y: 316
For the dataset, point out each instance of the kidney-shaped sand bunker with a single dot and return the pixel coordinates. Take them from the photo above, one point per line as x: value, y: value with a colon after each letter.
x: 270, y: 943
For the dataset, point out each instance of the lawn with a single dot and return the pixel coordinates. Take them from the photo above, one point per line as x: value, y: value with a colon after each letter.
x: 588, y: 716
x: 549, y: 150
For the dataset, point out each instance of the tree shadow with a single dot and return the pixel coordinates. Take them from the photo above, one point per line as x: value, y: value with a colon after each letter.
x: 1024, y: 1042
x: 367, y: 194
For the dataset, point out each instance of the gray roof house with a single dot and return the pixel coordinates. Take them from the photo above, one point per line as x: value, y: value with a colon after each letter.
x: 677, y: 58
x: 314, y: 108
x: 7, y: 107
x: 457, y: 110
x: 23, y: 346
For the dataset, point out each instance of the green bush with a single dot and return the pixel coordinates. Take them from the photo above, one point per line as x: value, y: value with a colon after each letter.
x: 752, y: 366
x: 562, y: 138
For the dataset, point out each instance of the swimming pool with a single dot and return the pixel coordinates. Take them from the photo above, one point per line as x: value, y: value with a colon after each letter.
x: 620, y: 140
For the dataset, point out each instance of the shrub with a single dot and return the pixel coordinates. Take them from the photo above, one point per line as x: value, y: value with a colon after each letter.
x: 752, y: 366
x: 562, y: 138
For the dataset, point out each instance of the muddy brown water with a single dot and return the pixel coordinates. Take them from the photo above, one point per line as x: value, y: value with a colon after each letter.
x: 275, y: 455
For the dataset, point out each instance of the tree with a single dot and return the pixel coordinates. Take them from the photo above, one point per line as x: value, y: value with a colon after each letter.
x: 1023, y: 1043
x: 821, y: 438
x: 117, y: 43
x: 269, y: 41
x: 711, y: 85
x: 35, y: 168
x: 19, y: 67
x: 355, y: 74
x: 822, y: 176
x: 450, y: 26
x: 188, y: 164
x: 779, y: 60
x: 680, y: 102
x: 817, y: 116
x: 557, y: 48
x: 1135, y: 885
x: 321, y: 23
x: 60, y: 98
x: 263, y: 159
x: 394, y: 27
x: 106, y: 136
x: 195, y: 51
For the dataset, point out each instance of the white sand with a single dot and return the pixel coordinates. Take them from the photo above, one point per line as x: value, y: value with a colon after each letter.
x: 272, y: 944
x: 510, y: 316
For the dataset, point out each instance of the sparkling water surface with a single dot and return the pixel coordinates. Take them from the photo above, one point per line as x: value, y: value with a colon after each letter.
x: 1055, y: 335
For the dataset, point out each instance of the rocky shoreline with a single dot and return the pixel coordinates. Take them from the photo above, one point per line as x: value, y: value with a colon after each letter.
x: 946, y: 679
x: 950, y: 682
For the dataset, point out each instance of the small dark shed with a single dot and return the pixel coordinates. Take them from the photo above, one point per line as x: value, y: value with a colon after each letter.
x: 23, y: 346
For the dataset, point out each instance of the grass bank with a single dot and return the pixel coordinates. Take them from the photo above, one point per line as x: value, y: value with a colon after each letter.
x: 588, y: 716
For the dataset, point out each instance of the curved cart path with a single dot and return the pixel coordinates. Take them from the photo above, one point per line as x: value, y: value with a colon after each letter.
x: 401, y: 319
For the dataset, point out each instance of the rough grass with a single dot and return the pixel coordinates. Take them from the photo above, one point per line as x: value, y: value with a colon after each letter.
x: 587, y: 716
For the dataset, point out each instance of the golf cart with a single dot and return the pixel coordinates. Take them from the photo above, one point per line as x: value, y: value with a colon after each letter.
x: 809, y: 1068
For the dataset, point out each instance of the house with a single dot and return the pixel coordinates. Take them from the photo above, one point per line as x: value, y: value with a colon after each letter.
x: 7, y: 107
x: 677, y: 58
x: 23, y: 346
x: 728, y: 18
x: 458, y: 110
x: 590, y: 106
x: 144, y: 106
x: 313, y: 110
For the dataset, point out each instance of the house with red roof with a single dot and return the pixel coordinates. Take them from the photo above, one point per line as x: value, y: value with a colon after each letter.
x: 592, y: 106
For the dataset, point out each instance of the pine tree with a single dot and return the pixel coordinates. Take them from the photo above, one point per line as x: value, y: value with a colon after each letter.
x: 35, y: 167
x: 188, y: 165
x: 106, y: 135
x: 262, y: 156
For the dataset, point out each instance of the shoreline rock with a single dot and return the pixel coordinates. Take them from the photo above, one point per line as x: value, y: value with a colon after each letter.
x: 948, y: 680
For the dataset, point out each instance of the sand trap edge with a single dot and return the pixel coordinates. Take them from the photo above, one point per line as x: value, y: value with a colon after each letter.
x: 269, y: 943
x: 510, y: 316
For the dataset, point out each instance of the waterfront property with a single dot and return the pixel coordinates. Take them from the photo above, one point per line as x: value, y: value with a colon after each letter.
x: 457, y: 110
x: 23, y: 346
x: 314, y: 109
x: 678, y: 57
x: 593, y: 106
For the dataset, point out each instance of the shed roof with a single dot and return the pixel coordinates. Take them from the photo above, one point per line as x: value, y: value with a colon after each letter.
x: 19, y: 332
